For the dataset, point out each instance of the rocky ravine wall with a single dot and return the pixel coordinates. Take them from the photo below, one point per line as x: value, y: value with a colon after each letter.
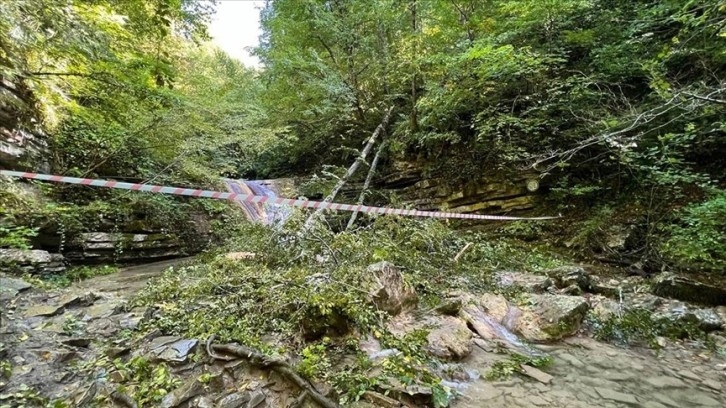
x: 22, y: 142
x: 24, y: 146
x: 491, y: 193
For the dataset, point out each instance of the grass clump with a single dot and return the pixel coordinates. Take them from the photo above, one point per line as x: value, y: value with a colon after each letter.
x: 504, y: 369
x: 640, y: 326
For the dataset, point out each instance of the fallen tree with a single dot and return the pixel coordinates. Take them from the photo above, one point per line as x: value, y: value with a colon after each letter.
x: 353, y: 167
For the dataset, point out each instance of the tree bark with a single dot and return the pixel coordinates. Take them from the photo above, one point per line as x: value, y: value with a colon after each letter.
x: 366, y: 184
x: 352, y: 168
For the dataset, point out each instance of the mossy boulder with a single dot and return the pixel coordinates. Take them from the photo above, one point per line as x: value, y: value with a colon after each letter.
x: 690, y: 290
x: 388, y: 289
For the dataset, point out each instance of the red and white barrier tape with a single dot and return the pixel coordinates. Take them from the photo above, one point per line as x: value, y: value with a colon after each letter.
x: 150, y: 188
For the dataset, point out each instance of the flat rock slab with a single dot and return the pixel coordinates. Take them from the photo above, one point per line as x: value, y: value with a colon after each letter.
x: 177, y: 351
x: 43, y: 310
x: 613, y: 395
x: 537, y: 374
x: 10, y: 287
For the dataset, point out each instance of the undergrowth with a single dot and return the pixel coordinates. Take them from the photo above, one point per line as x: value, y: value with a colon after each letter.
x: 640, y: 326
x: 303, y: 294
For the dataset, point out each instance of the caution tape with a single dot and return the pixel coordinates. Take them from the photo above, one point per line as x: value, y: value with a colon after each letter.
x: 219, y: 195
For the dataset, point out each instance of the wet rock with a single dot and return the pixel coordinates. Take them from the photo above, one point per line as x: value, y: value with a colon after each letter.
x: 10, y: 287
x: 706, y: 319
x: 537, y: 374
x: 34, y: 261
x: 161, y: 341
x: 257, y: 399
x: 448, y: 338
x: 552, y: 317
x: 177, y: 351
x: 187, y: 391
x: 234, y: 400
x: 388, y: 290
x: 604, y: 307
x: 450, y: 306
x: 714, y: 385
x: 689, y: 375
x: 566, y: 276
x: 42, y: 310
x: 687, y: 289
x: 699, y: 399
x: 613, y: 395
x: 526, y: 281
x: 665, y: 382
x: 571, y: 360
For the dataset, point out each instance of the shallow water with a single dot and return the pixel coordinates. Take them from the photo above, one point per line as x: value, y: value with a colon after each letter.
x: 588, y: 373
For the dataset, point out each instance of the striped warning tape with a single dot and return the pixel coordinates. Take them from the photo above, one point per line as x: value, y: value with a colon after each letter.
x: 150, y: 188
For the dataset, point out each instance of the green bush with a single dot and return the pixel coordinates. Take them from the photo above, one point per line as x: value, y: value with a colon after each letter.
x: 699, y: 240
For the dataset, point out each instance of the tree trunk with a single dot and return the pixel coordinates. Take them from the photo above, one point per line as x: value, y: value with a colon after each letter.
x: 366, y: 184
x: 352, y: 168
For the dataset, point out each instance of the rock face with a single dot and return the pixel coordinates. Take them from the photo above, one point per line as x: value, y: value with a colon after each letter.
x: 544, y: 318
x: 34, y: 262
x: 21, y: 142
x: 388, y: 290
x: 682, y: 288
x: 100, y: 247
x: 434, y: 191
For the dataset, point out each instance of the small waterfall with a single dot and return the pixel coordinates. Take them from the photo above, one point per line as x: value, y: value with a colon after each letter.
x: 268, y: 214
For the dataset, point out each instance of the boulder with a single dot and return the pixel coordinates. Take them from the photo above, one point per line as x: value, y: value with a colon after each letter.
x: 526, y: 281
x: 552, y: 317
x: 544, y: 318
x: 33, y: 261
x: 448, y: 336
x: 690, y: 290
x: 388, y: 290
x: 566, y: 276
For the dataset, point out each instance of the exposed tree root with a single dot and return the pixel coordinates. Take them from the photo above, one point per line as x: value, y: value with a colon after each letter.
x: 123, y: 399
x: 261, y: 360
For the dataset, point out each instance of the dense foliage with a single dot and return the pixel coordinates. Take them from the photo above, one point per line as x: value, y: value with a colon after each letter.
x: 616, y: 101
x: 631, y: 117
